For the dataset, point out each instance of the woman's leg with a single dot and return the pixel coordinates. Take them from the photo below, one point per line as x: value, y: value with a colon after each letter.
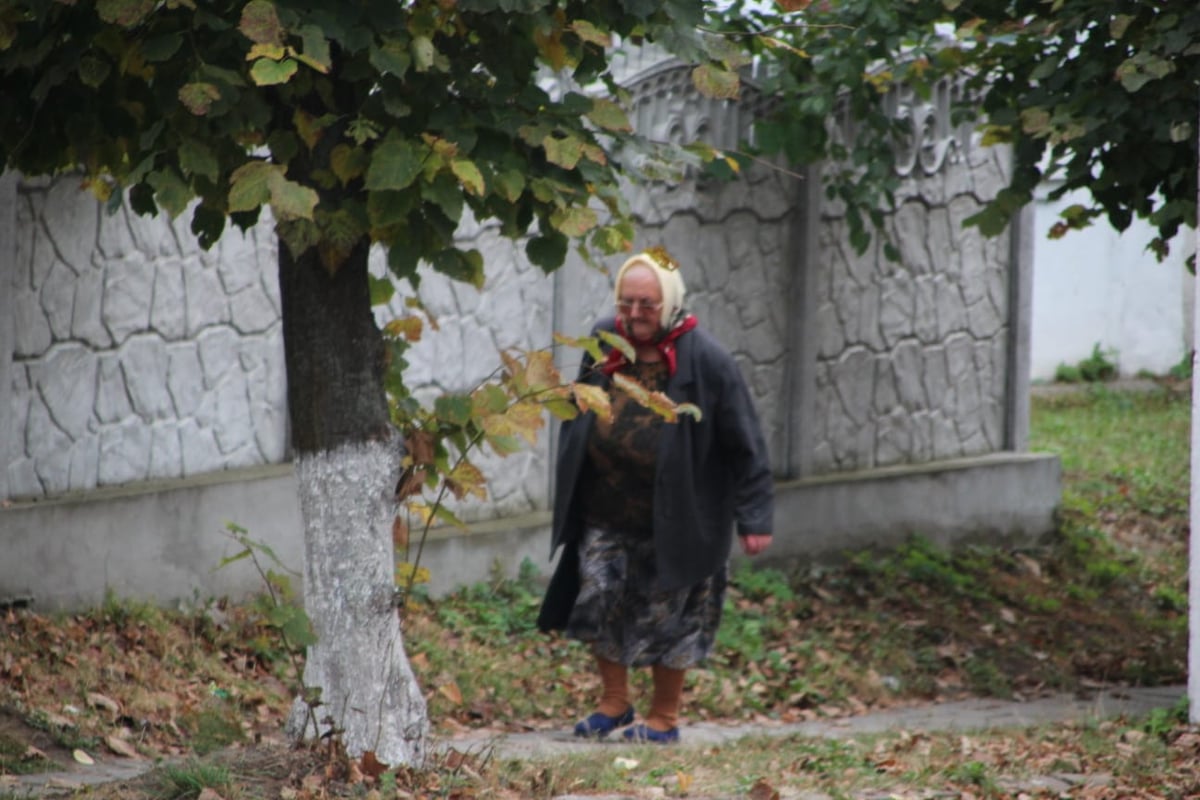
x: 667, y: 699
x: 614, y: 678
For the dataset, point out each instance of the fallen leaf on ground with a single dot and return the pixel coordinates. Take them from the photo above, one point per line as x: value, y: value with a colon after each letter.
x: 121, y: 747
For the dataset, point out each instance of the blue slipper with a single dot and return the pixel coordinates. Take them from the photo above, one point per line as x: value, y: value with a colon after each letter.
x: 643, y: 733
x: 599, y: 725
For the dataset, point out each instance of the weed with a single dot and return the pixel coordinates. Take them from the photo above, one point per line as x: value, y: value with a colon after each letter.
x: 986, y: 677
x: 14, y: 758
x: 215, y: 725
x: 1170, y: 598
x: 975, y: 773
x: 1099, y: 366
x: 187, y: 781
x: 1183, y: 370
x: 1162, y: 722
x: 758, y: 584
x: 65, y: 736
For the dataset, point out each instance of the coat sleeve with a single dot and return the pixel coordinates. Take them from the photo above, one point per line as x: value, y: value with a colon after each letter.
x: 742, y: 444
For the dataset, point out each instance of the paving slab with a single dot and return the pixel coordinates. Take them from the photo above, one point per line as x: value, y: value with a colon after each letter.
x: 964, y: 715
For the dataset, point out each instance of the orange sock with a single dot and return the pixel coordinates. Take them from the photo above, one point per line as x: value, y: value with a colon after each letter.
x: 615, y: 679
x: 668, y: 697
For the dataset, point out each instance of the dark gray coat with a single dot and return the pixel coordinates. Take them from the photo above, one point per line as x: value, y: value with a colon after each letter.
x: 711, y: 474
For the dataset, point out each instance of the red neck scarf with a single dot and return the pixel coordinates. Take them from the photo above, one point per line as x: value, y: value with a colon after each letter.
x: 666, y: 346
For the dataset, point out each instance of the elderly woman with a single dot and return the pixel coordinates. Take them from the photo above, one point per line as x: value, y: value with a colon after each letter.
x: 645, y: 509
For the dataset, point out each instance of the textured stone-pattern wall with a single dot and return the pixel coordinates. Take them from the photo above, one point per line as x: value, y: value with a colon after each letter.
x: 137, y: 356
x: 513, y: 312
x: 732, y: 241
x: 912, y: 355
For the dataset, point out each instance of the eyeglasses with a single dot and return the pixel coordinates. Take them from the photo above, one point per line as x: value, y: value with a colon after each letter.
x: 626, y: 306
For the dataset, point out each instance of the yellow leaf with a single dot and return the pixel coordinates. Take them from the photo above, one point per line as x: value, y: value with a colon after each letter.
x: 406, y: 573
x: 589, y: 343
x: 632, y: 388
x: 716, y: 82
x: 469, y: 176
x: 399, y: 532
x: 120, y: 746
x: 540, y: 373
x: 407, y: 327
x: 590, y: 33
x: 522, y: 419
x: 270, y: 50
x: 82, y: 757
x: 592, y: 398
x: 515, y: 373
x: 451, y: 692
x: 466, y: 479
x: 619, y: 343
x: 684, y: 780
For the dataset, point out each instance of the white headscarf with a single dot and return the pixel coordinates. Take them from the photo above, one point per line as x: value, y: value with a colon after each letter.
x: 666, y: 269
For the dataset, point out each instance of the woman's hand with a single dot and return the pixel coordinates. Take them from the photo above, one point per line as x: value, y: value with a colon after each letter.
x: 755, y: 543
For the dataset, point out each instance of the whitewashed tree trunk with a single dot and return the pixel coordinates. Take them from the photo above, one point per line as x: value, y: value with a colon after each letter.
x: 368, y: 689
x: 347, y: 457
x: 1193, y: 691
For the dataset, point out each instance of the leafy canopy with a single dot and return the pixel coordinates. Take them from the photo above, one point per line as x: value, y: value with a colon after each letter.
x: 1092, y: 95
x: 375, y: 120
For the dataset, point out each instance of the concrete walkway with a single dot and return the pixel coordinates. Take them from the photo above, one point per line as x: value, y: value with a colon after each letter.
x: 966, y: 715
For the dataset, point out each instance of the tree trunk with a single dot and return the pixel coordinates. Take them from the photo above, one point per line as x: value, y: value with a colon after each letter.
x: 347, y: 466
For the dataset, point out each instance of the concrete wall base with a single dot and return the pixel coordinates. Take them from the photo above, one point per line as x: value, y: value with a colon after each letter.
x: 161, y: 543
x: 1006, y: 499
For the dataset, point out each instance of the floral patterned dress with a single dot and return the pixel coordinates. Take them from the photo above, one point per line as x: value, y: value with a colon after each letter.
x: 619, y: 610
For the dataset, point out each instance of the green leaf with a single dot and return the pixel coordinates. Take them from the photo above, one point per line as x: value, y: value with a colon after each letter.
x: 395, y: 164
x: 454, y: 409
x: 385, y: 209
x: 423, y: 53
x: 382, y: 290
x: 125, y: 13
x: 161, y: 48
x: 403, y: 261
x: 509, y: 184
x: 565, y: 151
x: 466, y: 267
x: 316, y: 48
x: 208, y: 224
x: 294, y: 624
x: 249, y: 185
x: 444, y: 192
x: 574, y: 221
x: 713, y: 81
x: 547, y: 251
x: 266, y: 72
x: 469, y: 176
x: 93, y: 71
x: 391, y: 58
x: 290, y: 200
x: 199, y: 97
x: 610, y: 116
x: 170, y: 192
x: 347, y: 162
x: 196, y: 158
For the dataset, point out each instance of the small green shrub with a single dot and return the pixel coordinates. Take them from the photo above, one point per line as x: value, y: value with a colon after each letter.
x: 1183, y: 370
x: 187, y: 781
x: 1099, y: 366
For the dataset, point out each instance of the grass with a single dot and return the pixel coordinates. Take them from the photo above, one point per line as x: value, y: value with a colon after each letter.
x: 1102, y: 604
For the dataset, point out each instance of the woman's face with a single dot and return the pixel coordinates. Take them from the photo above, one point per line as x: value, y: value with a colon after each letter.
x: 639, y: 302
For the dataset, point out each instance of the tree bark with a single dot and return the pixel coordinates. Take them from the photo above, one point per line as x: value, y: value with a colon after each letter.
x: 347, y: 466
